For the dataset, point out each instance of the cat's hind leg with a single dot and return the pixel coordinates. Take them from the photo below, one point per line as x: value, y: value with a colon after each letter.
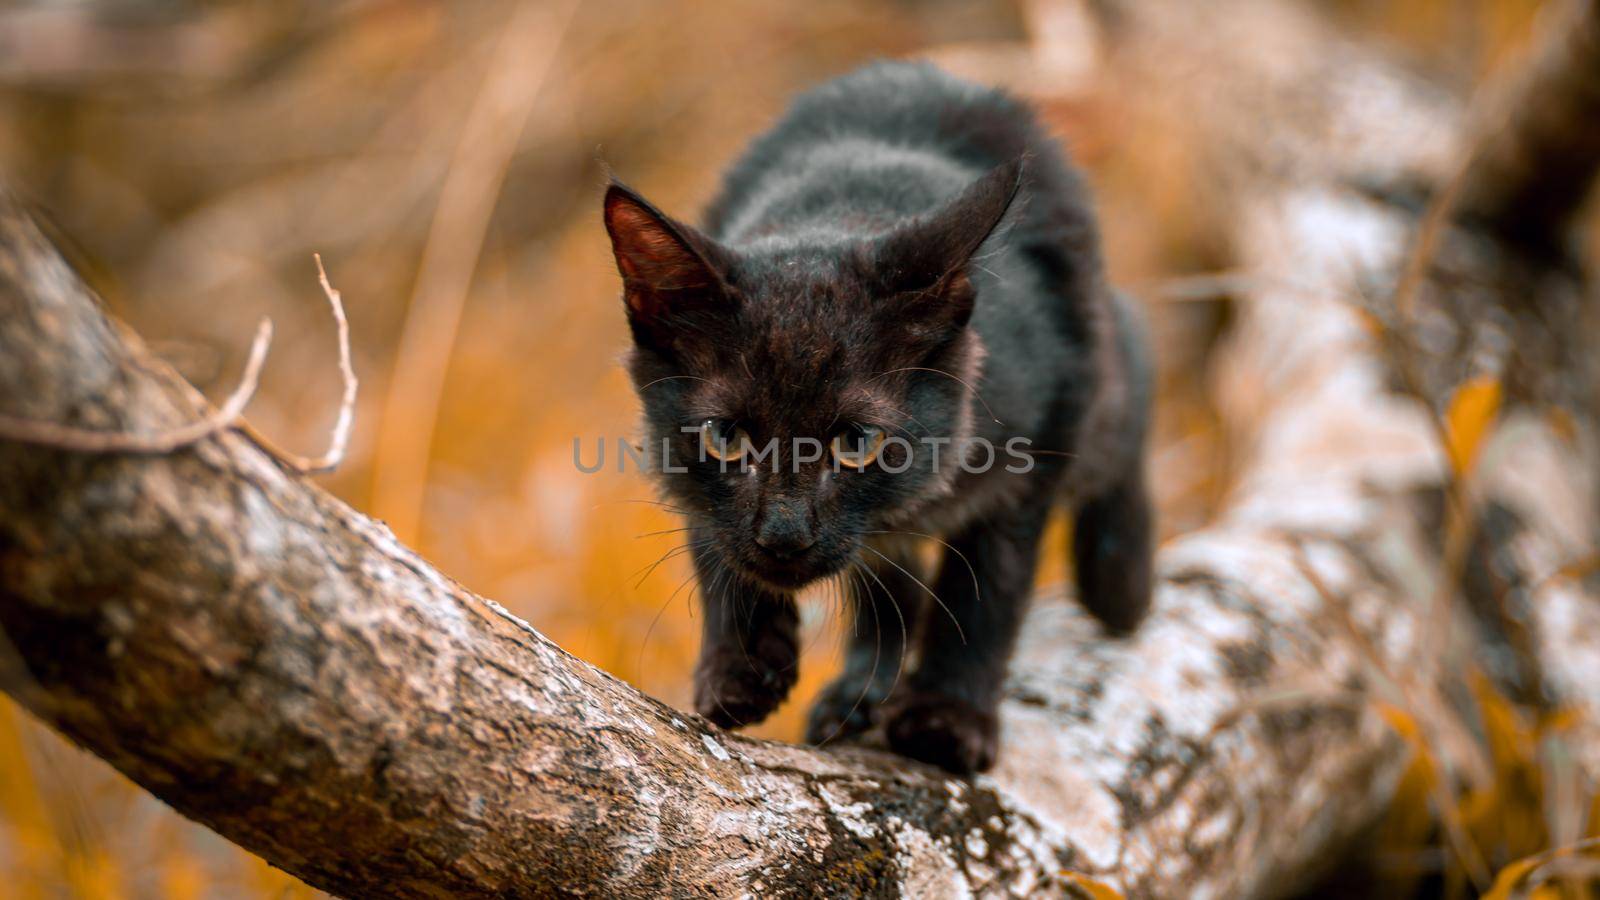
x: 1112, y: 550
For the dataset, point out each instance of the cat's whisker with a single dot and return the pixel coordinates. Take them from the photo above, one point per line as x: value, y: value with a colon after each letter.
x: 638, y: 665
x: 649, y: 567
x: 985, y: 269
x: 673, y: 378
x: 851, y: 600
x: 976, y: 593
x: 830, y: 605
x: 724, y: 585
x: 997, y: 241
x: 895, y: 426
x: 953, y: 620
x: 897, y: 430
x: 905, y: 635
x: 666, y: 506
x: 663, y: 531
x: 1032, y: 452
x: 838, y: 600
x: 866, y: 686
x: 905, y: 640
x: 750, y: 613
x: 839, y: 609
x: 956, y: 379
x: 877, y: 657
x: 713, y: 594
x: 689, y: 607
x: 670, y: 554
x: 909, y: 416
x: 715, y: 695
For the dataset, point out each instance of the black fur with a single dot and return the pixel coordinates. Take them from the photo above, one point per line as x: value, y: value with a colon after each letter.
x: 907, y: 252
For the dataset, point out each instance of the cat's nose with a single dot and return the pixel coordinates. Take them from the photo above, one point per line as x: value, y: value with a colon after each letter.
x: 785, y: 529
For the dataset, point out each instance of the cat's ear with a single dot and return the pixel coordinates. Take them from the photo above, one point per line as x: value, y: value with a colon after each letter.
x: 925, y: 263
x: 669, y: 270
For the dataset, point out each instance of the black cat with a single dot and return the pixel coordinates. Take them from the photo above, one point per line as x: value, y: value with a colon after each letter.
x: 892, y: 336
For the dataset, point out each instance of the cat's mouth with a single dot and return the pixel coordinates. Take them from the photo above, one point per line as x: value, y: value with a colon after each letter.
x: 789, y: 573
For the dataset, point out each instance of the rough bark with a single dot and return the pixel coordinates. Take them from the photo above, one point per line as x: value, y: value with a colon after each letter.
x: 276, y: 666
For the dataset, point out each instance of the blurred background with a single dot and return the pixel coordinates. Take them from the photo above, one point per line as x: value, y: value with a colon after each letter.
x: 446, y: 160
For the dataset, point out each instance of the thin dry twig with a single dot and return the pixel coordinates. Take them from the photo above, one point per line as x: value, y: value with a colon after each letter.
x: 1246, y: 283
x: 1425, y: 243
x: 85, y: 440
x: 340, y: 440
x: 228, y: 415
x: 1290, y: 699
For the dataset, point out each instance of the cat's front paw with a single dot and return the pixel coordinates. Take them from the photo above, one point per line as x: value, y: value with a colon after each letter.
x: 946, y: 731
x: 733, y: 688
x: 845, y: 708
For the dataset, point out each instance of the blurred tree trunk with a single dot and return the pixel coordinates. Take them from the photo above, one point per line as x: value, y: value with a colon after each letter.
x: 1530, y: 176
x: 276, y: 666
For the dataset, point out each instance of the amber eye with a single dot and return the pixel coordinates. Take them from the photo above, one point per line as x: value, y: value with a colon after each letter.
x: 856, y: 446
x: 723, y: 440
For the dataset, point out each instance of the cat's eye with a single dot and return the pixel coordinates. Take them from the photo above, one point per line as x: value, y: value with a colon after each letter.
x: 724, y: 440
x: 856, y: 446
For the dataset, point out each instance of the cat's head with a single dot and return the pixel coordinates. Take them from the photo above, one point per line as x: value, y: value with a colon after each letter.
x: 799, y: 390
